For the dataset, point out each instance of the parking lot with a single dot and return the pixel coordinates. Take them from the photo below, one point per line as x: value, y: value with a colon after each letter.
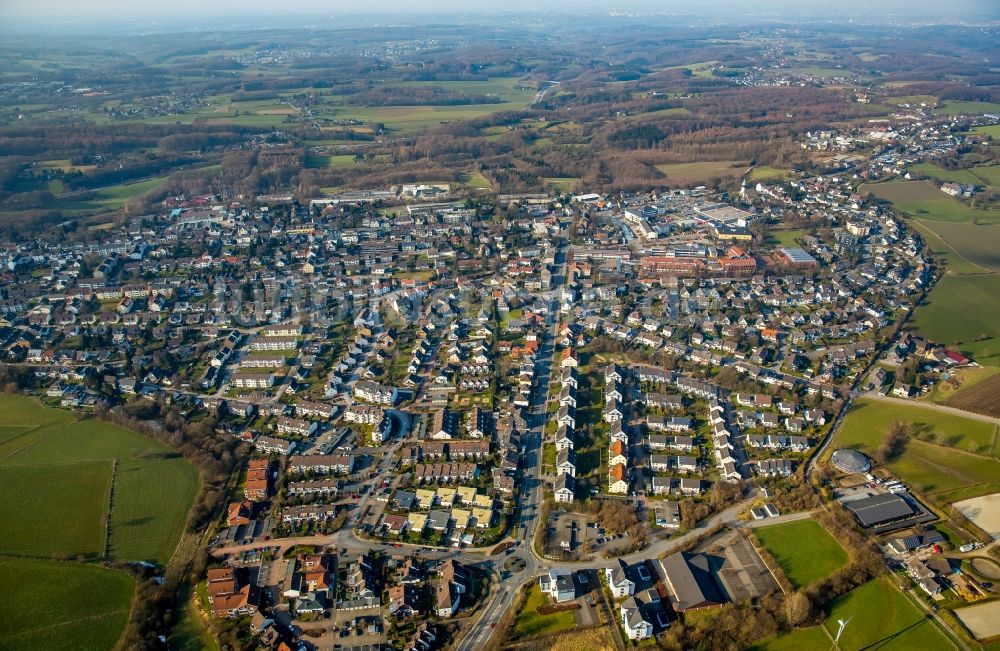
x: 576, y: 536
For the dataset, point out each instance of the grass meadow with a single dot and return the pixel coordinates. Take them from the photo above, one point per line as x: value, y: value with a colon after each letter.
x: 962, y: 311
x: 529, y: 623
x: 54, y: 605
x: 59, y: 474
x: 805, y: 551
x: 881, y: 617
x: 955, y: 470
x: 685, y: 174
x: 923, y: 200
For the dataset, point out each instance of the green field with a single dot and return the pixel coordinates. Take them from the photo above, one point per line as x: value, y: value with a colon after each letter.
x: 530, y: 623
x: 667, y: 112
x: 152, y: 500
x: 804, y: 550
x: 954, y: 107
x: 52, y: 605
x: 700, y: 172
x: 977, y: 175
x: 929, y: 467
x: 476, y: 180
x: 992, y: 130
x: 948, y: 176
x: 787, y: 238
x: 766, y: 173
x: 966, y: 378
x: 923, y: 200
x: 979, y: 244
x: 59, y: 473
x: 56, y: 510
x: 562, y: 184
x: 111, y: 198
x: 955, y: 262
x: 513, y: 97
x: 881, y: 617
x: 963, y: 311
x: 868, y: 421
x: 337, y: 161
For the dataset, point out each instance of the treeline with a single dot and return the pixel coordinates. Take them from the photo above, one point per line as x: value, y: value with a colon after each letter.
x: 92, y: 139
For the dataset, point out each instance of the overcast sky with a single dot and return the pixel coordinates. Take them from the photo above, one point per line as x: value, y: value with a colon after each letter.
x: 864, y: 10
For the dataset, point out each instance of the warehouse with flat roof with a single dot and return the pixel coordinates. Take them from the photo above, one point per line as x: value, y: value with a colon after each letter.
x: 881, y: 509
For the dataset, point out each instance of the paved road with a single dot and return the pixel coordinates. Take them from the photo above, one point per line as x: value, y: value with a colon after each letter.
x: 829, y: 435
x: 781, y: 519
x: 531, y: 485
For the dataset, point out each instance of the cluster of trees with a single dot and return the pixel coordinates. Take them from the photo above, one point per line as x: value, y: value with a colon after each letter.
x: 616, y: 516
x: 894, y: 442
x: 722, y: 495
x: 732, y: 627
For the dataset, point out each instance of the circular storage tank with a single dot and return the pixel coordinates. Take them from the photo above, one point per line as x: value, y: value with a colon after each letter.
x: 851, y: 461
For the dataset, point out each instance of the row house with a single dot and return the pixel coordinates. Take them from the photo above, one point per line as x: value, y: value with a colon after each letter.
x: 338, y: 464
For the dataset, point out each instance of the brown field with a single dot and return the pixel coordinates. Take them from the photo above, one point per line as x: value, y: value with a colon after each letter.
x: 981, y: 398
x: 983, y: 621
x: 987, y: 567
x: 984, y: 512
x: 591, y: 639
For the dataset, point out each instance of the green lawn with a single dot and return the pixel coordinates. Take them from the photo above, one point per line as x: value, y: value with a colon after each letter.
x: 786, y: 238
x: 880, y: 617
x: 530, y: 623
x: 924, y: 200
x: 52, y: 605
x: 963, y: 311
x: 803, y: 549
x: 803, y: 639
